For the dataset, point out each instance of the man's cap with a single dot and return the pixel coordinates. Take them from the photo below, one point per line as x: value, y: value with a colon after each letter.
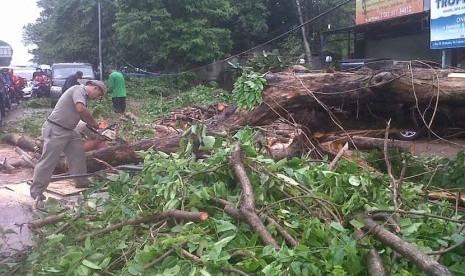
x: 100, y: 84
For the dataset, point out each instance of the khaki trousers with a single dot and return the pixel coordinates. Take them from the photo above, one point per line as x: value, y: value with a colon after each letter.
x: 58, y: 140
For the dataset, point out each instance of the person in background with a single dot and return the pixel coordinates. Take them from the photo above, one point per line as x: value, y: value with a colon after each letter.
x: 7, y: 81
x: 117, y: 88
x: 2, y: 99
x: 72, y: 81
x: 18, y: 84
x: 42, y: 81
x: 59, y: 135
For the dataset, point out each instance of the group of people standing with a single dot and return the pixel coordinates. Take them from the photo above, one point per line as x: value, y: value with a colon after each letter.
x: 60, y: 132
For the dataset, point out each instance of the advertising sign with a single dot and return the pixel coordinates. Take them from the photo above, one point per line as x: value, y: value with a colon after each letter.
x: 377, y: 10
x: 447, y: 24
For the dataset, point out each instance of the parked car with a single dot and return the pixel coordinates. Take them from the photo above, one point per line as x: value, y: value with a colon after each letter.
x: 61, y: 71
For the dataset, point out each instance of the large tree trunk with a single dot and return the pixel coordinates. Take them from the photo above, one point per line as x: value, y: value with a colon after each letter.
x: 322, y: 102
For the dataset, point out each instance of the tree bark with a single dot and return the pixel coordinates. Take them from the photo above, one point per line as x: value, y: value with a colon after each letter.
x: 423, y: 261
x: 20, y: 140
x: 247, y: 209
x: 169, y: 214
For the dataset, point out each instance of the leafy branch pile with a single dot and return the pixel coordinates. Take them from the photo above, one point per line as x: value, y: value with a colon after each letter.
x: 314, y: 220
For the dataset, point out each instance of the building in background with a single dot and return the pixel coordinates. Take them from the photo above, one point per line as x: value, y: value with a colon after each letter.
x: 6, y: 53
x: 405, y: 30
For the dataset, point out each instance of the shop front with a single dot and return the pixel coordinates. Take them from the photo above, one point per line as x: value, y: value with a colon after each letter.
x: 405, y: 30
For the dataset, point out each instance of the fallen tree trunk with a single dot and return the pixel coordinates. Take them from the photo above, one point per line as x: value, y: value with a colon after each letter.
x: 322, y: 102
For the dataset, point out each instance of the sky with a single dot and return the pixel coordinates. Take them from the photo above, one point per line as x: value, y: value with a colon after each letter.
x: 14, y: 14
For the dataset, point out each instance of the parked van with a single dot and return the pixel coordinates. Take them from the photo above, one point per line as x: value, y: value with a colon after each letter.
x: 61, y: 71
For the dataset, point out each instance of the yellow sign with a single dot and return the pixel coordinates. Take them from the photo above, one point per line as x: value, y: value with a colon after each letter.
x: 378, y: 10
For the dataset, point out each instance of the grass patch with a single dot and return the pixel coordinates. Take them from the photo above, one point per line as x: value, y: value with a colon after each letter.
x: 37, y: 103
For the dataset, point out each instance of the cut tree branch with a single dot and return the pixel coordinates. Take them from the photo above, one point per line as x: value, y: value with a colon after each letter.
x: 170, y: 214
x: 374, y: 263
x: 46, y: 221
x: 419, y: 258
x: 247, y: 208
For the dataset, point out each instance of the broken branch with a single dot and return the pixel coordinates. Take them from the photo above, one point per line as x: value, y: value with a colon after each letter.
x: 170, y: 214
x: 422, y: 260
x: 247, y: 208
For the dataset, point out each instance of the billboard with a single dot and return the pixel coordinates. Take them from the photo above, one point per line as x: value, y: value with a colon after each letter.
x: 447, y: 24
x: 377, y: 10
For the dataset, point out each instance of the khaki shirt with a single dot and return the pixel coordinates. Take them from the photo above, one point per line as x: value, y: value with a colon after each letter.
x: 65, y: 113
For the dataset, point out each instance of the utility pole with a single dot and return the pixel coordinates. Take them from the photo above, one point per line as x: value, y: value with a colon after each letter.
x: 100, y: 39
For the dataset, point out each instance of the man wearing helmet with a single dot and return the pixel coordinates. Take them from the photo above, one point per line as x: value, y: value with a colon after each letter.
x: 60, y: 136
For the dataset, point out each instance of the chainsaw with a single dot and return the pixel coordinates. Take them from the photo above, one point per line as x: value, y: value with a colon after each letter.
x: 108, y: 133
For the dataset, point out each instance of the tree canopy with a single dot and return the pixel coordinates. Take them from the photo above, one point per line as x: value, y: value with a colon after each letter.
x: 167, y: 34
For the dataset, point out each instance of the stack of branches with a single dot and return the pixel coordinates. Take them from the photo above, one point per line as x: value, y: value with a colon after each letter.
x: 381, y: 225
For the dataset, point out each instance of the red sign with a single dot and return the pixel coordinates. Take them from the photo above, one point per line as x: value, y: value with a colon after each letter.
x: 377, y: 10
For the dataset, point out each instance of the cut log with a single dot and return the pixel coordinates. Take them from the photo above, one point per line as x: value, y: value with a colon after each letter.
x: 24, y: 142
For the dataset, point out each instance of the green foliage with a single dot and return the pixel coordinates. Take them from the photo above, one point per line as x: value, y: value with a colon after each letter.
x: 429, y: 171
x: 248, y: 88
x: 248, y: 23
x: 173, y: 33
x: 67, y: 30
x: 267, y: 62
x: 37, y: 103
x: 326, y: 235
x: 32, y: 125
x: 162, y: 95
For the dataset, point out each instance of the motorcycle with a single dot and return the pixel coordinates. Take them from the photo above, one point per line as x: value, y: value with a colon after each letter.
x: 16, y: 93
x: 38, y: 90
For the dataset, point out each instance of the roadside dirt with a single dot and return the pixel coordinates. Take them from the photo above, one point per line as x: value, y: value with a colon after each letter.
x: 17, y: 115
x: 17, y: 175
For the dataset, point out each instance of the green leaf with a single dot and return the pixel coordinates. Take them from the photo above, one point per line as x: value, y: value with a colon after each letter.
x: 215, y: 252
x: 296, y: 268
x: 457, y: 238
x: 135, y: 269
x: 354, y: 181
x: 412, y: 228
x: 87, y: 244
x: 173, y: 271
x: 208, y: 143
x: 225, y: 241
x: 458, y: 269
x: 90, y: 264
x: 225, y: 226
x: 105, y: 262
x: 55, y: 238
x: 338, y: 226
x: 204, y: 272
x: 287, y: 179
x: 357, y: 224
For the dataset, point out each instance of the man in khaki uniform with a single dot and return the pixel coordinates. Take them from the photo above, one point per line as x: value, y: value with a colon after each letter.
x: 59, y: 135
